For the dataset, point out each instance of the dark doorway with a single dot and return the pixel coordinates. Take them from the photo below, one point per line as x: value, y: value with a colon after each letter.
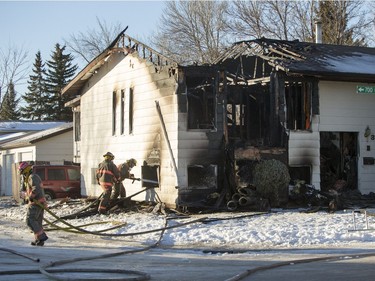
x: 338, y: 160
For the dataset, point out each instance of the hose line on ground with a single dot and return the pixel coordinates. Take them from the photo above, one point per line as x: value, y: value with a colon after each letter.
x: 140, y: 275
x: 19, y: 254
x: 248, y: 272
x: 118, y: 234
x: 143, y: 276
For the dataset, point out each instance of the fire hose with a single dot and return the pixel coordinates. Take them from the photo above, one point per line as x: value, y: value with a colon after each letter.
x: 48, y: 272
x: 78, y: 229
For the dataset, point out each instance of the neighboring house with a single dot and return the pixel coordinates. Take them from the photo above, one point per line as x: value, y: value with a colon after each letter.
x: 10, y: 130
x: 196, y: 129
x: 53, y: 144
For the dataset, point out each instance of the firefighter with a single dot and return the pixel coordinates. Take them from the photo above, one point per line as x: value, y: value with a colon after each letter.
x: 36, y: 202
x: 106, y: 174
x: 124, y: 169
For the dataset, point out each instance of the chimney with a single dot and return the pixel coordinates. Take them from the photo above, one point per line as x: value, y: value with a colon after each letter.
x: 318, y: 31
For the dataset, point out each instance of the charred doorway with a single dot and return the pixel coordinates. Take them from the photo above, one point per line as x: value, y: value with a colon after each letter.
x: 248, y: 114
x: 338, y: 160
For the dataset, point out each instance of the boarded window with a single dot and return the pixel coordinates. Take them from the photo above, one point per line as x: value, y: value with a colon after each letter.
x: 298, y: 99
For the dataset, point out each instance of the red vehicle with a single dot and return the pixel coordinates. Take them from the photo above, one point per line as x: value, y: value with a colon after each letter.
x: 59, y: 181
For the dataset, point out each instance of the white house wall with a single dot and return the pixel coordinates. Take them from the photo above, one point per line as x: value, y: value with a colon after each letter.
x: 343, y: 110
x: 56, y: 151
x: 122, y: 73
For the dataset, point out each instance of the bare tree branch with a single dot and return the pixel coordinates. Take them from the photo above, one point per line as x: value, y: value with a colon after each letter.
x: 89, y: 44
x: 13, y: 66
x: 193, y: 30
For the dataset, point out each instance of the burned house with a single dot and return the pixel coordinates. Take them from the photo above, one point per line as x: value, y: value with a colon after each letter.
x: 198, y: 131
x: 136, y: 103
x: 308, y: 105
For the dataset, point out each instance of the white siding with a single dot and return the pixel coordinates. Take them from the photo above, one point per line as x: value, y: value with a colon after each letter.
x: 56, y: 151
x: 343, y: 110
x: 118, y: 74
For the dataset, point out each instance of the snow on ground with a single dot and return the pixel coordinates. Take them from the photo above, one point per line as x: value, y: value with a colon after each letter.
x: 287, y: 229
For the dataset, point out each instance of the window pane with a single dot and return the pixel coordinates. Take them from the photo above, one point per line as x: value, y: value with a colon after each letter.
x: 40, y: 173
x: 56, y: 174
x: 74, y: 174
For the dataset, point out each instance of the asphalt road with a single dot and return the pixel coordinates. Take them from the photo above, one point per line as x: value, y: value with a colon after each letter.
x: 181, y: 264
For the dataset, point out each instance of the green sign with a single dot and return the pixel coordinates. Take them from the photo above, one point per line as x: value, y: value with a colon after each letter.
x: 365, y: 89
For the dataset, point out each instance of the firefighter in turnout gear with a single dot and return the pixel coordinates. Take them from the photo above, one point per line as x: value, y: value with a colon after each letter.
x: 124, y: 169
x: 36, y: 203
x: 106, y: 175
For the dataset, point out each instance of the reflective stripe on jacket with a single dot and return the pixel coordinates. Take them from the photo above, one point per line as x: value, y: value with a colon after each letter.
x: 107, y: 173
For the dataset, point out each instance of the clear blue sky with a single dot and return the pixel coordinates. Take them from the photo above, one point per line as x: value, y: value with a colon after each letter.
x: 39, y: 25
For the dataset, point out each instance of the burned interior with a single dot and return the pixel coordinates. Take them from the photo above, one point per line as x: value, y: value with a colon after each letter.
x: 201, y: 101
x: 269, y: 91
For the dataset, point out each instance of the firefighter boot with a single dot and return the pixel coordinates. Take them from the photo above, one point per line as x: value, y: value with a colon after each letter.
x: 37, y: 243
x: 40, y: 240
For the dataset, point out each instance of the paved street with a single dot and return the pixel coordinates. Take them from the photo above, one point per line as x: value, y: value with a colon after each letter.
x: 183, y: 264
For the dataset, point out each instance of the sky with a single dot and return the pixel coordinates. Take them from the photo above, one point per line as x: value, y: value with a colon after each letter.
x: 39, y: 25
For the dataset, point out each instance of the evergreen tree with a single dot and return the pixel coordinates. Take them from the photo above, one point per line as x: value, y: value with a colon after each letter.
x: 8, y: 110
x: 38, y: 103
x: 60, y: 71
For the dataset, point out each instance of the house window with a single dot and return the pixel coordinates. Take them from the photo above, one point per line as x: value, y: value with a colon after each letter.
x: 298, y: 100
x: 114, y: 99
x: 124, y: 111
x: 77, y: 125
x: 131, y: 110
x: 122, y: 125
x: 201, y: 99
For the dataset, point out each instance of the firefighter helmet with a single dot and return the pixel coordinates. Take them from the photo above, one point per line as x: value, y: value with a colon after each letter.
x: 24, y: 167
x: 110, y: 155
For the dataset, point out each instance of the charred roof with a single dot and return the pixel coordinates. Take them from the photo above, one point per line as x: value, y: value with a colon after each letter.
x: 325, y: 61
x: 124, y: 44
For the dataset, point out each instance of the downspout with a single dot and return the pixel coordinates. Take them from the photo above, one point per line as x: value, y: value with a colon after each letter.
x: 165, y: 134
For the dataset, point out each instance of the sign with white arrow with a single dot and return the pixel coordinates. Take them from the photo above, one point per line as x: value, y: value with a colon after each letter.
x: 365, y: 89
